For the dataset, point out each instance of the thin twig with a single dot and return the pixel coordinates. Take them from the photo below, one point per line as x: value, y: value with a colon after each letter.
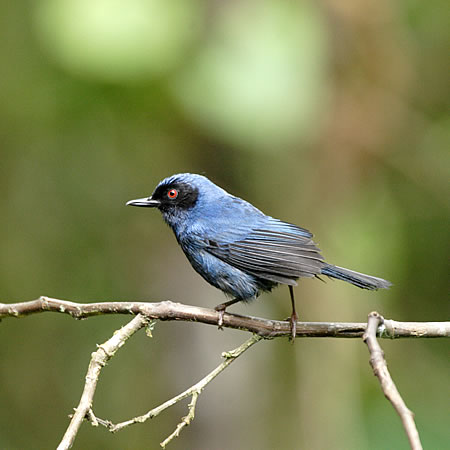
x: 99, y: 359
x: 185, y: 421
x: 193, y: 391
x: 379, y: 366
x: 268, y: 328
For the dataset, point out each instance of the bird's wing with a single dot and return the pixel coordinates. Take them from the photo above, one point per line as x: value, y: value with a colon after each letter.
x: 279, y: 252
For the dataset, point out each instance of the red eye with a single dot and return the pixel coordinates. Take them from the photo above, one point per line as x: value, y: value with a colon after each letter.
x: 173, y: 193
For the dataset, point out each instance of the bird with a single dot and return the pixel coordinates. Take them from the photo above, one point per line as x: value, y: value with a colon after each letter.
x: 237, y: 248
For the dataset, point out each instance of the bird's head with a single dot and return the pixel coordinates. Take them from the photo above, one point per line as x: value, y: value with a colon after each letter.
x: 177, y: 195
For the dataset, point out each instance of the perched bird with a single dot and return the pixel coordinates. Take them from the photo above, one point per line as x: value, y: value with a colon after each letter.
x: 236, y: 247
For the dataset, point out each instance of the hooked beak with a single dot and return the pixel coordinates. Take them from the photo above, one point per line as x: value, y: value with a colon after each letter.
x: 144, y: 202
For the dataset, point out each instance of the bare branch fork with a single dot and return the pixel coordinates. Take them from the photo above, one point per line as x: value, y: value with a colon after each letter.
x: 147, y: 313
x: 193, y: 392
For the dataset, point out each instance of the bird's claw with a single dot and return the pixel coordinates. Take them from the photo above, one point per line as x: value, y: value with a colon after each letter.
x: 221, y: 312
x: 220, y: 321
x: 293, y: 323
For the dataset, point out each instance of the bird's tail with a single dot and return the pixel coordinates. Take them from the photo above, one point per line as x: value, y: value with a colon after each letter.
x: 358, y: 279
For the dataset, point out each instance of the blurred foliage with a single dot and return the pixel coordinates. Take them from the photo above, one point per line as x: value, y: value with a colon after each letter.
x: 104, y: 40
x: 244, y: 86
x: 332, y: 115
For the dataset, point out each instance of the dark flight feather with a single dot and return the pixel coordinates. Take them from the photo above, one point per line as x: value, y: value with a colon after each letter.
x: 281, y: 257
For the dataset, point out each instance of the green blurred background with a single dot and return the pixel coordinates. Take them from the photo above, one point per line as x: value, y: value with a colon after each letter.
x: 331, y: 114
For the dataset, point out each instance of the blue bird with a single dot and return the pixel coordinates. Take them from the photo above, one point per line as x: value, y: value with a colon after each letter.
x: 236, y: 247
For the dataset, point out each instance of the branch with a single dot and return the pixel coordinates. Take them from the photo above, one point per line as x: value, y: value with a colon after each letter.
x: 98, y: 360
x: 263, y: 327
x: 379, y: 366
x: 194, y: 392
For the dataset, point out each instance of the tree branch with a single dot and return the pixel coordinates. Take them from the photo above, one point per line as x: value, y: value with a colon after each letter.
x: 379, y: 366
x: 193, y: 392
x: 98, y: 360
x: 263, y: 327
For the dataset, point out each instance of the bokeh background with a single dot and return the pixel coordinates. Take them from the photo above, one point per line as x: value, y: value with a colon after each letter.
x: 332, y: 115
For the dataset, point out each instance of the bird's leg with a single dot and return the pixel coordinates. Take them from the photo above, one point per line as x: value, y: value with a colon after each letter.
x: 221, y: 310
x: 293, y: 319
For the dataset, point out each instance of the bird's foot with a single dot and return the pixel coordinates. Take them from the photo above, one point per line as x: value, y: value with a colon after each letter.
x: 221, y: 310
x: 293, y: 323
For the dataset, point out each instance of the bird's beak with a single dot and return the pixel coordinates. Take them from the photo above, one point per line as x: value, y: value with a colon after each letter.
x: 144, y: 202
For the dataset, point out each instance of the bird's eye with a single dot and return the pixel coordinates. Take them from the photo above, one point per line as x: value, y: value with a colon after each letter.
x: 172, y: 194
